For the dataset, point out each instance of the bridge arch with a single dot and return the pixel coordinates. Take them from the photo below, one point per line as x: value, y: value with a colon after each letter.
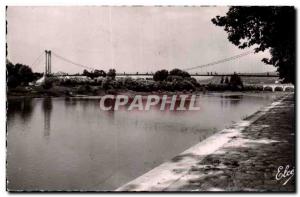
x: 288, y: 89
x: 268, y: 88
x: 278, y: 87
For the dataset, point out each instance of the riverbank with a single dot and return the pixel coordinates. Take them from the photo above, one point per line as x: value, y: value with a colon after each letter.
x: 99, y: 87
x: 244, y: 157
x: 86, y: 91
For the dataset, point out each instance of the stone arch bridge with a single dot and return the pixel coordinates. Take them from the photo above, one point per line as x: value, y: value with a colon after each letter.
x: 284, y: 87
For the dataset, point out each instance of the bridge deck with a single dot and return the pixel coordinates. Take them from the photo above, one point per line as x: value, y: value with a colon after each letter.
x: 201, y: 75
x: 193, y: 75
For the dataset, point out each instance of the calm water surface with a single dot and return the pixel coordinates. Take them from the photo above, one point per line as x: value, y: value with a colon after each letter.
x: 70, y: 144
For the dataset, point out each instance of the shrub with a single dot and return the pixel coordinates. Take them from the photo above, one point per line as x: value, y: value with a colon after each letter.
x: 107, y: 84
x: 173, y: 78
x: 111, y: 91
x: 47, y: 84
x: 84, y: 89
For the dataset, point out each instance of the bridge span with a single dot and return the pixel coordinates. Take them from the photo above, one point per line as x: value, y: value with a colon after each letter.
x: 279, y: 86
x: 206, y: 74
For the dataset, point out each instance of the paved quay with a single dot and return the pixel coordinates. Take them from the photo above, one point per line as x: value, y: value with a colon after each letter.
x: 256, y: 154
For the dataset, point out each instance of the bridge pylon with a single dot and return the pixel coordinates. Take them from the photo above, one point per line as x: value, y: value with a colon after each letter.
x: 47, y: 62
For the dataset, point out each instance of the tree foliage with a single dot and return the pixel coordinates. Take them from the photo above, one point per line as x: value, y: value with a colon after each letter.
x: 236, y: 81
x: 222, y: 80
x: 265, y: 27
x: 94, y: 74
x: 160, y: 75
x: 19, y: 74
x: 175, y: 74
x: 226, y: 81
x: 99, y: 73
x: 112, y: 73
x: 178, y: 72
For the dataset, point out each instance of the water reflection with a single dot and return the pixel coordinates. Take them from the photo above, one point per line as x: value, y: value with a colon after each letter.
x: 228, y: 100
x: 70, y: 102
x: 22, y: 107
x: 90, y: 149
x: 47, y: 109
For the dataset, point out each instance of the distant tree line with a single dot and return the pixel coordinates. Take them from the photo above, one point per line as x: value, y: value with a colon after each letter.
x: 100, y: 73
x: 97, y: 80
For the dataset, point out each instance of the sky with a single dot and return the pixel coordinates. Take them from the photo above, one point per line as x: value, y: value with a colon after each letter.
x: 128, y: 39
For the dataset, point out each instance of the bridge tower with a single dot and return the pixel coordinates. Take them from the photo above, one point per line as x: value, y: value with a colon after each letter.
x: 47, y: 62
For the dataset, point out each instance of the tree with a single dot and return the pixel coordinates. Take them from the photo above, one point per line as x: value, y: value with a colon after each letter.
x: 25, y: 74
x: 12, y: 81
x: 226, y: 80
x: 94, y: 74
x: 102, y: 73
x: 10, y: 68
x: 178, y: 72
x: 99, y: 73
x: 267, y: 28
x: 111, y: 73
x: 160, y: 75
x: 86, y: 73
x: 222, y: 80
x: 19, y: 74
x: 236, y: 81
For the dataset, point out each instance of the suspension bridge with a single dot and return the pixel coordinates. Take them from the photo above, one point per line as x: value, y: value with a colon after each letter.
x: 49, y: 54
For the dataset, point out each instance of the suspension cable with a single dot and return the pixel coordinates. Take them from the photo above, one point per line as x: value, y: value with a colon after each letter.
x: 72, y: 62
x: 220, y: 61
x: 36, y: 60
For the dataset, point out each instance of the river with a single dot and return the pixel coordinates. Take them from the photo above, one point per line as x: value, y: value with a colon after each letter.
x: 70, y: 144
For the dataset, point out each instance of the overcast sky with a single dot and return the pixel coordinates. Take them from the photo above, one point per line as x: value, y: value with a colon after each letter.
x: 129, y: 39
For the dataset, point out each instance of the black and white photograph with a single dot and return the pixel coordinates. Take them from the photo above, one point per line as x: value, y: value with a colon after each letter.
x: 150, y: 98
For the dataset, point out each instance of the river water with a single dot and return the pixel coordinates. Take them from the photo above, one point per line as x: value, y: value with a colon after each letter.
x: 70, y: 144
